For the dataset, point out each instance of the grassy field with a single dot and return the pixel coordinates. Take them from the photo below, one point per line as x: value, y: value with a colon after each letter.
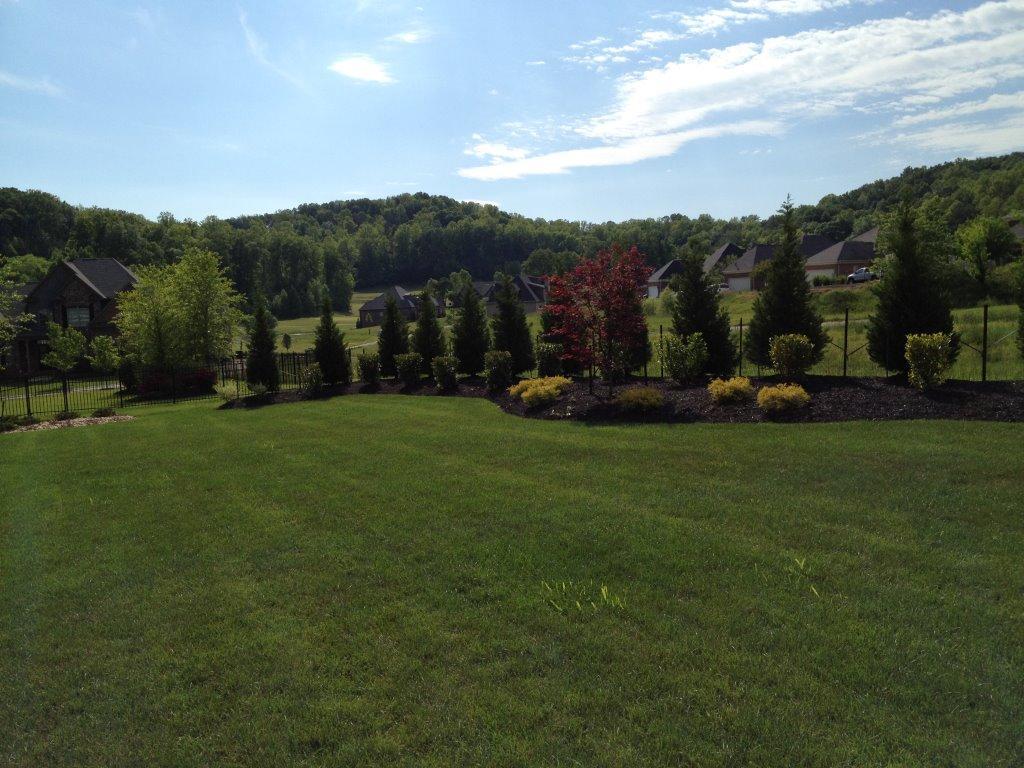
x: 379, y: 581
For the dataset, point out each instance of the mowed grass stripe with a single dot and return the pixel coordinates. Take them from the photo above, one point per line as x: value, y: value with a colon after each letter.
x: 359, y: 580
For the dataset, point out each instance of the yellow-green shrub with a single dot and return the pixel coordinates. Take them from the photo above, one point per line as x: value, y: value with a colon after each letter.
x: 929, y: 356
x: 639, y: 399
x: 734, y: 390
x: 782, y: 397
x: 540, y: 391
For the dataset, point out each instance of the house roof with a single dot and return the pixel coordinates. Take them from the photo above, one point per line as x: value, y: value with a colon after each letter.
x: 809, y: 245
x: 723, y: 252
x: 107, y: 277
x: 401, y: 296
x: 531, y: 289
x: 871, y: 236
x: 667, y: 270
x: 849, y: 251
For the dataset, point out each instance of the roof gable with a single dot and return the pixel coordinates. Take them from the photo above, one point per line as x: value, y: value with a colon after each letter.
x: 722, y: 252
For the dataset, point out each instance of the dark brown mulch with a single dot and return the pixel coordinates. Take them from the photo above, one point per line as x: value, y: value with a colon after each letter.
x: 832, y: 399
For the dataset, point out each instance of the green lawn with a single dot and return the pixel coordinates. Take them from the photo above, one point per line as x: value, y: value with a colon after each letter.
x: 361, y: 581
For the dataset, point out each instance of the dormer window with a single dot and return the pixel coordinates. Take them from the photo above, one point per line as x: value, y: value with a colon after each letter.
x: 78, y: 317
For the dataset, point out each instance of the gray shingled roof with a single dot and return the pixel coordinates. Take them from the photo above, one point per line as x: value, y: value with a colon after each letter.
x: 809, y: 245
x: 666, y: 271
x: 848, y: 251
x: 871, y: 236
x: 723, y: 252
x: 107, y: 277
x: 402, y: 298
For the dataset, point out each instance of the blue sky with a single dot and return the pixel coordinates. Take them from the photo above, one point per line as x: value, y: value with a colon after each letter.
x: 561, y: 108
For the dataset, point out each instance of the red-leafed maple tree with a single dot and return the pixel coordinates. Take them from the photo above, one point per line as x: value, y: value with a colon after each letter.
x: 596, y: 312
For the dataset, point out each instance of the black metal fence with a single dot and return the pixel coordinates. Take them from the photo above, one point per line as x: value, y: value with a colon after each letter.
x: 47, y: 394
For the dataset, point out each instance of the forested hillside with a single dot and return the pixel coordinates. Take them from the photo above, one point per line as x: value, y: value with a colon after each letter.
x: 295, y: 255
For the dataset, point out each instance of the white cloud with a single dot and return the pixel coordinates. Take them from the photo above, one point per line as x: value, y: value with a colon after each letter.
x: 488, y: 150
x: 974, y: 139
x: 31, y: 84
x: 537, y: 63
x: 890, y: 67
x: 360, y: 66
x: 258, y: 50
x: 996, y: 101
x: 410, y: 36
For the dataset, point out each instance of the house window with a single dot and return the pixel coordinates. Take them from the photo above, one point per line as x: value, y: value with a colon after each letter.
x: 78, y: 317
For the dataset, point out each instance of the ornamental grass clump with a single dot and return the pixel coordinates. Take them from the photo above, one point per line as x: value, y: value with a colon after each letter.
x: 782, y: 398
x: 640, y: 399
x: 542, y: 391
x: 929, y: 356
x: 738, y: 389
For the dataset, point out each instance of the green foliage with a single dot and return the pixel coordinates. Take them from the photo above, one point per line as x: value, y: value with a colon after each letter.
x: 498, y: 370
x: 470, y: 336
x: 329, y: 348
x: 782, y: 398
x: 549, y: 359
x: 1020, y: 304
x: 650, y: 307
x: 929, y: 356
x: 792, y: 355
x: 369, y: 367
x: 911, y: 297
x: 286, y: 341
x: 540, y: 391
x: 103, y: 413
x: 24, y: 269
x: 984, y: 243
x: 393, y: 338
x: 784, y: 305
x: 737, y: 389
x: 686, y: 358
x: 103, y: 356
x: 510, y: 328
x: 667, y: 301
x: 261, y: 362
x: 65, y: 348
x: 544, y: 261
x: 697, y: 309
x: 427, y: 337
x: 639, y: 399
x: 11, y: 321
x: 445, y: 369
x: 312, y: 380
x: 410, y: 368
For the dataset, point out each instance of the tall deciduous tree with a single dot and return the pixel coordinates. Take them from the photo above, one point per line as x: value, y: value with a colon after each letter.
x: 148, y: 324
x: 984, y: 243
x: 697, y: 308
x: 205, y: 305
x: 329, y: 348
x: 910, y: 295
x: 510, y: 328
x: 12, y: 320
x: 261, y: 363
x: 393, y: 338
x: 470, y: 336
x: 427, y: 337
x: 597, y: 312
x: 784, y: 305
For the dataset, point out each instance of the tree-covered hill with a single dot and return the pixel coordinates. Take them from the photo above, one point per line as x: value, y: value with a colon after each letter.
x: 295, y: 255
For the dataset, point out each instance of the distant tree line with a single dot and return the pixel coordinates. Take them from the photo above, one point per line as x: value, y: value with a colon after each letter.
x: 296, y: 257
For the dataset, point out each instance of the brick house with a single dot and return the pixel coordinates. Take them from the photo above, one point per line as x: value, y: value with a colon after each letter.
x: 372, y: 312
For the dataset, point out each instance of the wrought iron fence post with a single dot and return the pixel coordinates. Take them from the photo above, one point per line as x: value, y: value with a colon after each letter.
x: 174, y: 386
x: 741, y: 346
x: 984, y: 343
x: 28, y: 398
x: 846, y: 340
x: 64, y: 390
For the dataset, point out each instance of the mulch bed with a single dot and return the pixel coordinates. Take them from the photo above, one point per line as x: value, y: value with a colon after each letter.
x: 87, y: 421
x: 832, y: 399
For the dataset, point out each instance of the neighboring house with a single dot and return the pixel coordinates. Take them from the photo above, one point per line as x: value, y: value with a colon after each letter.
x: 659, y: 280
x: 372, y: 312
x: 81, y: 293
x: 533, y: 292
x: 841, y: 259
x: 741, y: 276
x: 721, y: 257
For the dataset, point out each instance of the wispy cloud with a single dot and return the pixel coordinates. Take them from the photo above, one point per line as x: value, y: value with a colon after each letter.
x: 995, y: 102
x: 40, y: 85
x: 360, y: 66
x: 258, y: 49
x: 892, y: 67
x: 409, y: 36
x: 537, y: 63
x: 975, y: 139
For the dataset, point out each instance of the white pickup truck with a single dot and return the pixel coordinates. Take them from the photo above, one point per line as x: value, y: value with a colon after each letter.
x: 862, y: 275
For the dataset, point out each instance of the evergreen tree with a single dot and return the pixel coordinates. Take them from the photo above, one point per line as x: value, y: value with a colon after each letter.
x: 427, y: 338
x: 911, y: 298
x: 510, y: 328
x: 697, y: 308
x: 784, y: 305
x: 261, y: 363
x: 393, y: 338
x: 470, y: 336
x: 1020, y: 301
x: 329, y: 348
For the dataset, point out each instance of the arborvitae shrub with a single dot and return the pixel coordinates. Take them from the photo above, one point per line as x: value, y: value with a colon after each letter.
x: 410, y: 368
x: 261, y: 363
x: 792, y: 355
x: 498, y: 369
x: 445, y: 369
x: 470, y: 336
x: 369, y: 368
x: 929, y: 356
x: 329, y: 349
x: 782, y: 398
x: 738, y: 389
x: 696, y: 307
x: 686, y: 359
x: 427, y: 336
x: 393, y: 338
x: 549, y: 359
x: 510, y: 328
